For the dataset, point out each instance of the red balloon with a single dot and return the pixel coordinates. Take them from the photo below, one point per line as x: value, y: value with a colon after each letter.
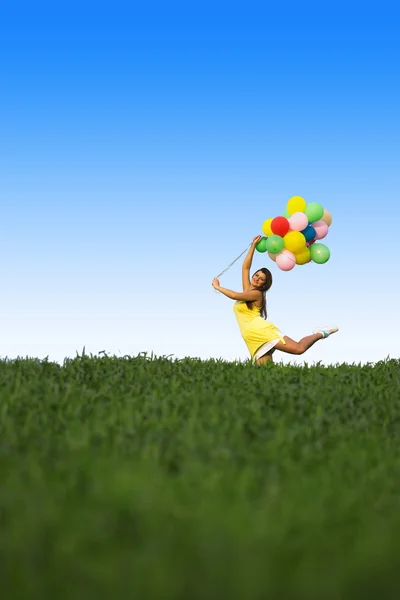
x: 280, y: 226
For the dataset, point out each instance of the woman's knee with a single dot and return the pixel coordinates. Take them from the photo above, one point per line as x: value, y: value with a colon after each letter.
x: 266, y: 358
x: 300, y: 348
x: 297, y: 350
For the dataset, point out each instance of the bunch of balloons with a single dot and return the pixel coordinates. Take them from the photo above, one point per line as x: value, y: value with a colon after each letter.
x: 291, y: 239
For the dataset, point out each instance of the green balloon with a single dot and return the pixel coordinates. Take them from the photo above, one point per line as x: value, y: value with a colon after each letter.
x: 262, y: 245
x: 275, y: 244
x: 320, y: 253
x: 286, y: 213
x: 314, y: 211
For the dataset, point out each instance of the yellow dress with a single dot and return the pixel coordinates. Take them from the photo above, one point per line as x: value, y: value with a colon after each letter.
x: 255, y: 330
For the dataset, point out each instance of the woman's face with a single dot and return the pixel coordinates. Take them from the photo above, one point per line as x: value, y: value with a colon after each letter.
x: 258, y: 279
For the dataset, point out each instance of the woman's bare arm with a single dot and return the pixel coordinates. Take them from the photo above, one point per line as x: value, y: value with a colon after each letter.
x: 246, y: 283
x: 247, y: 296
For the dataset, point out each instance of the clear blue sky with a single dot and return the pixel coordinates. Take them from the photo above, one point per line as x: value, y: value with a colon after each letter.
x: 143, y: 148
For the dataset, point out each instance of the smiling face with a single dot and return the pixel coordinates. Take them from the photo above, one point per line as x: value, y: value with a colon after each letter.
x: 259, y: 279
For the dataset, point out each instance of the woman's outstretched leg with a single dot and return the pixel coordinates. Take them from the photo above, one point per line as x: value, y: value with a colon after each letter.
x: 292, y: 347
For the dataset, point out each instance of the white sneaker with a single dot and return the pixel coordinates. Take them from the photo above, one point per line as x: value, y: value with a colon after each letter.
x: 326, y: 331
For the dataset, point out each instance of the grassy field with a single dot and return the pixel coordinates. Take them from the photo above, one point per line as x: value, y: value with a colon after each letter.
x: 150, y: 478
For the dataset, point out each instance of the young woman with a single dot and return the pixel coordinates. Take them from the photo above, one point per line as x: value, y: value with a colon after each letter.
x: 261, y: 336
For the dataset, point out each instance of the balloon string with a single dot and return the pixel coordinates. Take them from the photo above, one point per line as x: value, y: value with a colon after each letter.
x: 233, y: 262
x: 237, y: 258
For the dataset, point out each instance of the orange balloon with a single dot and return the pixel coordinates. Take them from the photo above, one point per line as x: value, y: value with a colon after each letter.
x: 327, y: 217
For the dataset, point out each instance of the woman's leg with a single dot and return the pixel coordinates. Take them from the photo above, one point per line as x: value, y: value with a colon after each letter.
x: 265, y: 358
x: 292, y: 347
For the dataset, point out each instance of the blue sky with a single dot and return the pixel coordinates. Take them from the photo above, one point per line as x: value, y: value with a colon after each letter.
x: 143, y: 147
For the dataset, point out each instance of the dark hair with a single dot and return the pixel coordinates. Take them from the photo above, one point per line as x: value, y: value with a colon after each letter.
x: 263, y: 289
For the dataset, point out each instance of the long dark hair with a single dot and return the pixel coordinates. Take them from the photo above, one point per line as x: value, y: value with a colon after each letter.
x: 263, y: 289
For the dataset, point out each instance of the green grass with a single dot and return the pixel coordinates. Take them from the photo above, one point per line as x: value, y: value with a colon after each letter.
x: 149, y: 478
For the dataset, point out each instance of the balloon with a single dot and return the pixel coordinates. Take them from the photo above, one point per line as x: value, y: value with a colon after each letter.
x: 298, y: 221
x: 321, y: 229
x: 320, y: 253
x: 267, y: 227
x: 314, y: 211
x: 296, y: 204
x: 303, y: 257
x: 286, y: 260
x: 309, y: 233
x: 293, y: 237
x: 262, y: 245
x: 294, y: 241
x: 327, y: 217
x: 275, y: 244
x: 280, y: 226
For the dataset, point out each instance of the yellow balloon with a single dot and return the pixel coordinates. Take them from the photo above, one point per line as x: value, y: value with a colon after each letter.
x: 303, y: 256
x: 267, y: 227
x: 327, y: 217
x: 294, y: 241
x: 296, y: 204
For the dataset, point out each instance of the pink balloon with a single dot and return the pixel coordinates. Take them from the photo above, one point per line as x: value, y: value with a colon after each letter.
x: 321, y: 229
x: 286, y: 260
x: 298, y: 221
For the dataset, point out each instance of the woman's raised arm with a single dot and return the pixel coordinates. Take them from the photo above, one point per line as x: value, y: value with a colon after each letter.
x: 246, y: 283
